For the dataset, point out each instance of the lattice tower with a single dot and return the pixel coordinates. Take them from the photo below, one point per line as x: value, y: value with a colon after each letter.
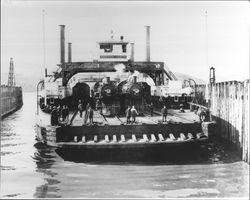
x: 11, y: 78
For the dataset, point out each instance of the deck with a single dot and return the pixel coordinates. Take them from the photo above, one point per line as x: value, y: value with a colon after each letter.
x: 174, y: 116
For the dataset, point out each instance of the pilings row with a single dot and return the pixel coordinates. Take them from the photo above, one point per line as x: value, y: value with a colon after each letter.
x: 228, y: 103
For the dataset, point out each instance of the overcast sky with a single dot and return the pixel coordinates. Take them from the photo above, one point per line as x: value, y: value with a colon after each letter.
x: 178, y: 34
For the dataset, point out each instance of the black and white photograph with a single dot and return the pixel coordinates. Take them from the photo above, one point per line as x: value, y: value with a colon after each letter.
x: 124, y: 99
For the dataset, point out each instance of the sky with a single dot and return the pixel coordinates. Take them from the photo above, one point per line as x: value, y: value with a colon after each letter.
x: 182, y: 35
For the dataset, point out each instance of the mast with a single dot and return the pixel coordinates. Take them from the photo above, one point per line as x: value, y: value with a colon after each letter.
x: 44, y: 49
x: 44, y: 56
x: 206, y: 39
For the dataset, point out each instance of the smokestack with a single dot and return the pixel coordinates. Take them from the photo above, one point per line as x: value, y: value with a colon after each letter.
x: 69, y: 51
x: 62, y: 43
x: 148, y: 43
x: 132, y: 52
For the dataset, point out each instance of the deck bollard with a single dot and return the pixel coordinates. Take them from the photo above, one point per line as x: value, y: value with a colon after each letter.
x: 134, y: 138
x: 171, y: 136
x: 122, y: 138
x: 114, y: 138
x: 145, y: 137
x: 182, y: 136
x: 161, y: 138
x: 83, y: 139
x: 153, y: 138
x: 95, y: 138
x: 190, y: 136
x: 106, y: 138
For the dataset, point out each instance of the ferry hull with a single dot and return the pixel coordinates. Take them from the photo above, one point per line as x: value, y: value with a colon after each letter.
x: 151, y: 152
x: 127, y: 141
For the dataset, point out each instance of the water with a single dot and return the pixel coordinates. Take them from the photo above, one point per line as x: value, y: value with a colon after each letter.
x: 30, y: 170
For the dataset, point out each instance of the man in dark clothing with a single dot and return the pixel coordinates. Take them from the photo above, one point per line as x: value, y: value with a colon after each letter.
x: 67, y: 112
x: 86, y: 116
x: 64, y: 113
x: 59, y: 112
x: 54, y: 117
x: 202, y: 114
x: 80, y: 107
x: 91, y: 114
x: 164, y: 112
x: 151, y: 108
x: 99, y: 106
x: 134, y: 113
x: 182, y: 108
x: 128, y: 114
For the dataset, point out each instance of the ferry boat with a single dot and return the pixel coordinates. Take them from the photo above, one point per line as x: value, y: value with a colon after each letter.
x: 116, y: 81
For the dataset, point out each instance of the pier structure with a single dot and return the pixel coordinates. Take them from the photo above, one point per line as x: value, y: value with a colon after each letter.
x: 11, y: 95
x: 228, y: 105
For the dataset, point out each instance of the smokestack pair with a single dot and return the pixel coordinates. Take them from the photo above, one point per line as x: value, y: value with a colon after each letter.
x: 62, y: 46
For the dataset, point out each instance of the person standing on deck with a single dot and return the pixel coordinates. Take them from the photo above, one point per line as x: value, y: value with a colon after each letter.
x: 151, y: 108
x: 91, y: 114
x: 99, y: 106
x: 202, y: 114
x: 128, y: 114
x: 54, y: 117
x: 164, y: 112
x: 63, y: 113
x: 58, y: 113
x: 80, y: 107
x: 182, y: 108
x: 86, y: 116
x: 67, y: 112
x: 133, y: 114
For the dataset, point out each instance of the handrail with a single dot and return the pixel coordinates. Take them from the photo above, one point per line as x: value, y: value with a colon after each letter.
x: 195, y: 104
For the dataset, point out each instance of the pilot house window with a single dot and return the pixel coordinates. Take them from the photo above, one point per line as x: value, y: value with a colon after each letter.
x: 124, y: 48
x: 106, y: 47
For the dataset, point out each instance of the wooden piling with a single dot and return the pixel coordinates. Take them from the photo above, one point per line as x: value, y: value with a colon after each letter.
x: 229, y: 106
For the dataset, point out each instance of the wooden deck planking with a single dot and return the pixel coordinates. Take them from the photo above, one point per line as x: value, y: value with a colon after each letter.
x: 174, y: 116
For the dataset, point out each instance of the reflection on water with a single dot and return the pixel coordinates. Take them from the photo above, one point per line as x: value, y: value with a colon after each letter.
x: 31, y: 170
